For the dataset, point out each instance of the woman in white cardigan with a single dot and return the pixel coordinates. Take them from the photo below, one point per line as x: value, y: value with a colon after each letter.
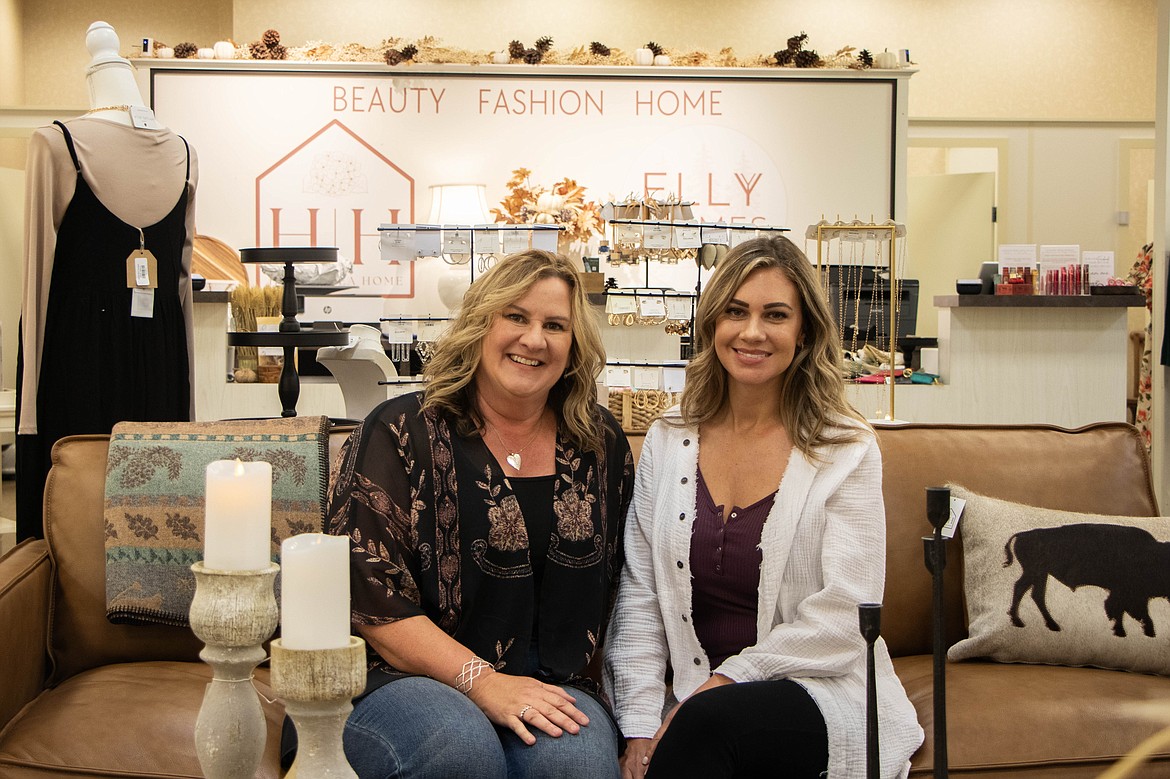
x: 757, y: 527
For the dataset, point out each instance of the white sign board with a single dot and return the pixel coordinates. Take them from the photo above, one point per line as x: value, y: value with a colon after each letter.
x: 322, y: 157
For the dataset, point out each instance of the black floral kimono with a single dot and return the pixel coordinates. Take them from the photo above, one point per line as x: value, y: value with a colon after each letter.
x: 438, y: 531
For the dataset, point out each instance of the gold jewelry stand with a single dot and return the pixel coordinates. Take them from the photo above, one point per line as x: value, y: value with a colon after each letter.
x: 889, y: 232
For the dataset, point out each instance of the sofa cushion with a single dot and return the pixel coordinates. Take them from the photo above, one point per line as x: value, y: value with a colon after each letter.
x: 154, y: 502
x: 1031, y: 721
x: 138, y: 720
x: 1059, y: 587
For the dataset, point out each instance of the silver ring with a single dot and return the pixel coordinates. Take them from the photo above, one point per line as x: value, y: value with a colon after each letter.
x: 524, y: 711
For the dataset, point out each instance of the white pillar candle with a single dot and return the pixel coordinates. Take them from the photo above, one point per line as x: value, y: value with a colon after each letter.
x: 314, y: 592
x: 237, y: 518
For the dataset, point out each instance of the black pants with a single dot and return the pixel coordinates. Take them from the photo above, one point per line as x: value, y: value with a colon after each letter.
x: 753, y: 729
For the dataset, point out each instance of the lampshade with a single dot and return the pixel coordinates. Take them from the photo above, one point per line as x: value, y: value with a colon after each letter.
x: 464, y: 204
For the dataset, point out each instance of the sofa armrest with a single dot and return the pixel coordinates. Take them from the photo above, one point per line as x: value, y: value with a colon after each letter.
x: 25, y: 578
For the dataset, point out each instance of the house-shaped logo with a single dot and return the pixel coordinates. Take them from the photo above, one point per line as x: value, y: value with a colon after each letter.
x: 334, y: 190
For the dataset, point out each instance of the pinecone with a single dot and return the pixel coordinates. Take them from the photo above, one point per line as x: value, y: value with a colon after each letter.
x: 408, y: 51
x: 258, y: 50
x: 515, y: 50
x: 271, y: 38
x: 185, y: 49
x: 277, y: 52
x: 532, y: 56
x: 796, y: 42
x: 807, y: 58
x: 865, y: 58
x: 393, y: 56
x: 600, y: 49
x: 654, y: 47
x: 783, y: 57
x: 544, y: 43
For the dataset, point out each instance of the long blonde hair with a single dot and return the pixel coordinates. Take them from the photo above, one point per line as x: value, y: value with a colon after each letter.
x: 812, y: 398
x: 456, y: 358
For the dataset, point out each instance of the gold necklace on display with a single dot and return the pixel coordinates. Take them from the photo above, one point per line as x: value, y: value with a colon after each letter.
x: 513, y: 458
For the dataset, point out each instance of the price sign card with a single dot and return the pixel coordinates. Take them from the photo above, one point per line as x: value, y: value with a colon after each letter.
x: 1100, y: 267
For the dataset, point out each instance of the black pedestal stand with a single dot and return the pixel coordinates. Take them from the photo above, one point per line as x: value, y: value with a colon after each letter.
x: 290, y: 334
x: 869, y: 617
x: 938, y: 510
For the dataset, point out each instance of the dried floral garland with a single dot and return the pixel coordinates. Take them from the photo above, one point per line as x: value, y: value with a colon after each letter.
x: 563, y: 203
x: 429, y: 50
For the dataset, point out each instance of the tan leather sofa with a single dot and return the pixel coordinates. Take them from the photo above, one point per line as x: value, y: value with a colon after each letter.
x: 83, y: 698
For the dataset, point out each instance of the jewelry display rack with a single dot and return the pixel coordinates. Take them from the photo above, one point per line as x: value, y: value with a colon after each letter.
x: 472, y: 230
x: 825, y: 232
x: 290, y: 334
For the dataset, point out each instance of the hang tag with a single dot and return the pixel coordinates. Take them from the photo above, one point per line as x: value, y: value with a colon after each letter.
x: 142, y: 303
x: 956, y: 513
x: 143, y: 118
x: 141, y: 270
x: 514, y: 240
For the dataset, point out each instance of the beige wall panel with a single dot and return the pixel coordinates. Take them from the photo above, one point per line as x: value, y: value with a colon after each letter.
x: 55, y: 57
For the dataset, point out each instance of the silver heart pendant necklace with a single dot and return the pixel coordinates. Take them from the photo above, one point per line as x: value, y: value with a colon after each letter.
x: 513, y: 457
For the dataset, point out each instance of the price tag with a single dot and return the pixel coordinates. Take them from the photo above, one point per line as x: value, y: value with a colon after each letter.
x: 397, y: 332
x: 457, y: 240
x: 687, y: 237
x: 716, y: 234
x: 647, y: 378
x: 545, y: 239
x: 617, y: 376
x: 143, y: 118
x: 141, y: 270
x: 484, y: 240
x: 673, y: 379
x: 514, y: 240
x: 952, y: 523
x: 656, y: 237
x: 396, y: 245
x: 428, y: 243
x: 739, y: 236
x: 678, y: 309
x: 651, y: 306
x: 142, y: 303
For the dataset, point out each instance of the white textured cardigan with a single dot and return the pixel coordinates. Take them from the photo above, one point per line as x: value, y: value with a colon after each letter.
x: 823, y: 553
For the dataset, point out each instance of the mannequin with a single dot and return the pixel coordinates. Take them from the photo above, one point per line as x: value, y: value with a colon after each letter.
x: 98, y: 346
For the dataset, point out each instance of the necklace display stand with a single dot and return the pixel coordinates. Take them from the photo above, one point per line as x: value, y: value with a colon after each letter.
x: 880, y: 234
x: 291, y: 334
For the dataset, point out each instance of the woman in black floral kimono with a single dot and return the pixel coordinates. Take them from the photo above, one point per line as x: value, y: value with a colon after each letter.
x: 485, y: 515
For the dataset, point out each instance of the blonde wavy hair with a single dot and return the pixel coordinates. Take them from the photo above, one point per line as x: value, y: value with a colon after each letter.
x: 451, y: 371
x: 812, y: 401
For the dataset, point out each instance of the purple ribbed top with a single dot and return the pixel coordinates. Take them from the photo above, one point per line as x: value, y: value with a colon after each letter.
x: 725, y: 570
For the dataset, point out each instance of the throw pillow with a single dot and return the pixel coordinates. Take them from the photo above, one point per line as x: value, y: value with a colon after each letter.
x: 1062, y: 588
x: 154, y: 499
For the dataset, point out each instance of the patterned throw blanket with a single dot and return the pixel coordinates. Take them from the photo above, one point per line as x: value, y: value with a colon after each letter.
x: 155, y: 499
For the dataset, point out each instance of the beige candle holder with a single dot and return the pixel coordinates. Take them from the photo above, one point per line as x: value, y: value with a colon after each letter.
x: 233, y: 613
x: 318, y: 687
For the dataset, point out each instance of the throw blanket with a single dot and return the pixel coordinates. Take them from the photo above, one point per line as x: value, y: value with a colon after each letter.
x: 155, y: 499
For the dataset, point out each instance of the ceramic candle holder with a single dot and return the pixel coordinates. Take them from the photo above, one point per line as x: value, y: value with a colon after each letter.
x: 233, y: 613
x: 317, y: 686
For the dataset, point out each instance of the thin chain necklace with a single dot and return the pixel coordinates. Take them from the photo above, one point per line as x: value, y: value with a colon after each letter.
x: 513, y: 458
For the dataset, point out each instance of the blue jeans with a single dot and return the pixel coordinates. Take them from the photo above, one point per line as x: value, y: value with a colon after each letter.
x: 417, y: 728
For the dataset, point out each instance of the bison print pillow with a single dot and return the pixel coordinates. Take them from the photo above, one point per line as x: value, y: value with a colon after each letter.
x: 1061, y: 588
